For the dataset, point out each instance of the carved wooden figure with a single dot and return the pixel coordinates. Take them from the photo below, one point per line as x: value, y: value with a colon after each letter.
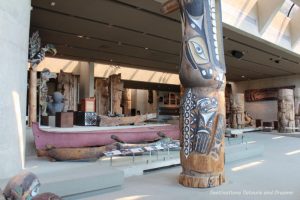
x: 43, y: 90
x: 102, y: 99
x: 297, y: 108
x: 202, y: 74
x: 115, y: 90
x: 237, y: 111
x: 67, y: 85
x: 286, y: 112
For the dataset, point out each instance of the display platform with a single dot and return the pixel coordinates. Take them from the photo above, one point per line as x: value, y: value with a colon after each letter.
x: 67, y: 179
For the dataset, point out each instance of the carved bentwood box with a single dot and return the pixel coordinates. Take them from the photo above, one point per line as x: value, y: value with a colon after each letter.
x: 86, y: 118
x: 64, y: 119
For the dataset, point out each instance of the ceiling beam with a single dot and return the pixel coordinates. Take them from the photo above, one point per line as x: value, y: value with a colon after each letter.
x: 296, y: 2
x: 295, y: 29
x: 267, y: 10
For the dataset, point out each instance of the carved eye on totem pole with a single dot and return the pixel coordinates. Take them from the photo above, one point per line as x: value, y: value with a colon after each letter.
x: 200, y: 45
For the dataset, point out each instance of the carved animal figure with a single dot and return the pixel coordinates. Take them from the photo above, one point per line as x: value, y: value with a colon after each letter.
x: 36, y: 52
x: 202, y: 74
x: 237, y: 111
x: 43, y: 89
x: 57, y: 104
x: 286, y: 113
x: 23, y: 186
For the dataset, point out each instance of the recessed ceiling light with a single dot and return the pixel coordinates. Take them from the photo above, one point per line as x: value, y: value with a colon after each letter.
x: 243, y: 76
x: 52, y: 3
x: 146, y: 48
x: 111, y: 60
x: 80, y: 36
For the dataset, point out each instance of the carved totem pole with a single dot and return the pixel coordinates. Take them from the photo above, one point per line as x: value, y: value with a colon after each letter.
x: 237, y: 107
x: 286, y: 112
x: 297, y: 108
x: 43, y: 90
x: 202, y: 75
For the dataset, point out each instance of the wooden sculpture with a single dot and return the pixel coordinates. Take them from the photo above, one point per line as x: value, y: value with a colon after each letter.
x: 102, y: 96
x: 115, y: 88
x: 297, y: 108
x: 286, y: 112
x: 36, y: 54
x: 202, y: 74
x: 237, y: 111
x: 67, y: 85
x: 25, y: 186
x: 43, y: 90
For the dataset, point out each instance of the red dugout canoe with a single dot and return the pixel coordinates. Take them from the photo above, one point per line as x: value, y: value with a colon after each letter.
x: 76, y: 139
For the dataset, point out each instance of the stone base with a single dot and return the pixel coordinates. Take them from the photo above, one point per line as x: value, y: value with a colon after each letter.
x: 201, y: 181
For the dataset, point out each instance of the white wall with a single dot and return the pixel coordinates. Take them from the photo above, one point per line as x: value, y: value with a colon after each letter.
x: 14, y: 36
x: 265, y: 110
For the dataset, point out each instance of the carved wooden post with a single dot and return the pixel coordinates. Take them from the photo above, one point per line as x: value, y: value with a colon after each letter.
x: 237, y: 105
x: 202, y: 74
x: 286, y: 112
x: 101, y: 93
x: 67, y: 85
x: 115, y: 91
x: 32, y: 96
x: 297, y: 108
x: 126, y: 99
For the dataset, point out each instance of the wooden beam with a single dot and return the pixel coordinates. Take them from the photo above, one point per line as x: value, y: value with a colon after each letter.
x: 151, y: 86
x: 267, y: 10
x: 32, y: 97
x: 295, y: 29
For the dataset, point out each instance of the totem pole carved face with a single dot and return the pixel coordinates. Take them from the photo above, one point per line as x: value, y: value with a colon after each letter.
x: 286, y: 103
x: 237, y: 103
x: 202, y: 59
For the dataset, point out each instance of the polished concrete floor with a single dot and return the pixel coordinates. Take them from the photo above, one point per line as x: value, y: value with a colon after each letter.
x: 275, y: 175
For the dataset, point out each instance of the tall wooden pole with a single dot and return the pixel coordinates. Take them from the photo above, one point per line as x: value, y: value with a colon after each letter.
x: 32, y: 97
x: 202, y: 74
x: 286, y: 111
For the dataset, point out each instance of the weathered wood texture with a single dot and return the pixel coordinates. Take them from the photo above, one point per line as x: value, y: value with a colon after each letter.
x: 116, y: 121
x: 102, y: 96
x: 68, y: 86
x: 202, y: 74
x: 126, y: 101
x: 69, y: 154
x: 237, y: 107
x: 264, y: 94
x: 32, y: 97
x: 228, y: 93
x: 297, y: 107
x: 286, y: 111
x: 116, y: 87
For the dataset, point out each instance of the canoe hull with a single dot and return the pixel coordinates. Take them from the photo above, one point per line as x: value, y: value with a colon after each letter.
x: 96, y: 138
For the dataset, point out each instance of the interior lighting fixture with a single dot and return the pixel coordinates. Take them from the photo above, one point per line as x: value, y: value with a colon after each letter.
x: 243, y: 76
x: 237, y: 54
x: 52, y: 3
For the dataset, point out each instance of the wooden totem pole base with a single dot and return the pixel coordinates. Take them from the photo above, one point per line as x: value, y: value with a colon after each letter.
x: 212, y: 173
x: 201, y: 180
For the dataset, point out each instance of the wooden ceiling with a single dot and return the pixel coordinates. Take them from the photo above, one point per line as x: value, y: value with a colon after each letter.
x: 135, y: 33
